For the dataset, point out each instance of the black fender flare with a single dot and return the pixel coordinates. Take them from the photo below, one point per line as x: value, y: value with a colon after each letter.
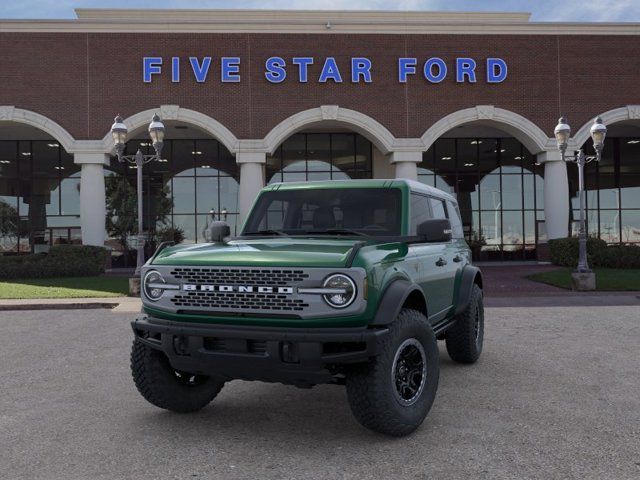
x: 392, y: 300
x: 468, y: 278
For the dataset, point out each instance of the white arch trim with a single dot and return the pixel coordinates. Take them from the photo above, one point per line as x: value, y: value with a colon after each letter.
x: 528, y: 133
x: 9, y: 113
x: 629, y: 112
x: 177, y: 113
x: 382, y: 138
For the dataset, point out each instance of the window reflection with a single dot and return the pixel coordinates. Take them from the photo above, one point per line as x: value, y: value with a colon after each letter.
x: 499, y: 190
x: 320, y: 156
x: 193, y: 178
x: 39, y: 196
x: 613, y: 191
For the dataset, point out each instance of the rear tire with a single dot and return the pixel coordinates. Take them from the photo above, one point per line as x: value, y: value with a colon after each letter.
x: 393, y: 393
x: 163, y: 386
x: 465, y: 338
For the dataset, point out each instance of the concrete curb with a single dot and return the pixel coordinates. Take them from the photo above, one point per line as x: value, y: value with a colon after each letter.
x: 57, y: 306
x: 118, y: 304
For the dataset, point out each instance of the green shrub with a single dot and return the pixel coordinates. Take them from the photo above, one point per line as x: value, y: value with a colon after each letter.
x: 565, y: 251
x: 618, y: 256
x: 61, y: 261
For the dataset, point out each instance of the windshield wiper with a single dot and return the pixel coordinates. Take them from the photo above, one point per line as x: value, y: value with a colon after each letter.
x: 337, y: 231
x: 267, y: 232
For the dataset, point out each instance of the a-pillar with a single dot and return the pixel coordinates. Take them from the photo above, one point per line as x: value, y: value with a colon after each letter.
x: 93, y: 208
x: 251, y: 180
x: 556, y: 194
x: 406, y: 164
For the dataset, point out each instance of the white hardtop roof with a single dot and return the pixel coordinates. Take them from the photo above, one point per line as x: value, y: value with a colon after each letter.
x: 379, y: 183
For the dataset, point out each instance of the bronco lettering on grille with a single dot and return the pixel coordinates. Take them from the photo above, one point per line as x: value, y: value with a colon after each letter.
x: 237, y: 288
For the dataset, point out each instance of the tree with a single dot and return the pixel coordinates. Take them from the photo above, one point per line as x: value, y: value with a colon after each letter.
x: 122, y: 209
x: 9, y: 225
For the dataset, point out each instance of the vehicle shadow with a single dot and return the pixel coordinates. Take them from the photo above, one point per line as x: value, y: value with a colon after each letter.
x: 296, y: 418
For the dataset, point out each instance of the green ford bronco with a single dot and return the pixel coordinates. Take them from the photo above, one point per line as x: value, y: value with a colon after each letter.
x: 344, y: 282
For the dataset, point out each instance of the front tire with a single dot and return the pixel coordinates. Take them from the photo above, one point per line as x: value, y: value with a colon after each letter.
x: 394, y: 392
x: 163, y: 386
x: 465, y: 338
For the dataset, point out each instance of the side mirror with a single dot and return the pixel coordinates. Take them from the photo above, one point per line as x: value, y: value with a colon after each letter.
x: 218, y: 231
x: 435, y: 230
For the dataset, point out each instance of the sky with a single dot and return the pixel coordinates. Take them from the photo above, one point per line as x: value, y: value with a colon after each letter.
x: 542, y: 10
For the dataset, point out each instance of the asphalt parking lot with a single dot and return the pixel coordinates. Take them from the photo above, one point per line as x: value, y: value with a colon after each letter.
x: 556, y: 394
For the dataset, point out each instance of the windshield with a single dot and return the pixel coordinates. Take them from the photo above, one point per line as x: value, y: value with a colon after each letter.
x: 329, y: 211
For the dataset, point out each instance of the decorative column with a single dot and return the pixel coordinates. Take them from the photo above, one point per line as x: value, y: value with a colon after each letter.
x: 92, y: 197
x: 556, y: 194
x: 251, y: 180
x: 406, y: 163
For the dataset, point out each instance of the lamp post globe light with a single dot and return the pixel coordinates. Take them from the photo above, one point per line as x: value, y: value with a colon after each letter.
x: 583, y: 277
x: 119, y: 133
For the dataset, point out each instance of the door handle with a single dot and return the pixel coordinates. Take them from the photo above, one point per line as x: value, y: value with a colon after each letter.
x: 441, y: 262
x: 457, y: 258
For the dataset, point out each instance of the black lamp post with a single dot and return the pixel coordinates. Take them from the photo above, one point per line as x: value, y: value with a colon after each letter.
x: 156, y: 132
x: 562, y: 133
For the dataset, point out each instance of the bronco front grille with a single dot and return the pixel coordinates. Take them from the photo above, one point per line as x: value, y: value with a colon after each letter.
x: 239, y: 276
x: 238, y: 301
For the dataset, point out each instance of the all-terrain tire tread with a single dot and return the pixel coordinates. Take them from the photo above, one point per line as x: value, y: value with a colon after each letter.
x: 149, y: 369
x: 368, y: 393
x: 460, y: 338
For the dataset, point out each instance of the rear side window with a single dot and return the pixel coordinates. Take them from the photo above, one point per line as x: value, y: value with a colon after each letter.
x: 454, y: 218
x: 437, y: 206
x: 420, y: 211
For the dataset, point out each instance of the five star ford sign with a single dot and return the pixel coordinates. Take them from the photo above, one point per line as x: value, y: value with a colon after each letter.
x: 276, y: 69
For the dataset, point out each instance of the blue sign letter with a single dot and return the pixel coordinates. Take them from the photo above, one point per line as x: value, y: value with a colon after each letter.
x: 406, y: 66
x: 303, y: 64
x: 275, y: 69
x: 465, y: 66
x: 200, y: 71
x: 230, y: 69
x: 175, y: 69
x: 428, y: 70
x: 496, y: 70
x: 330, y: 71
x: 360, y: 66
x: 150, y: 66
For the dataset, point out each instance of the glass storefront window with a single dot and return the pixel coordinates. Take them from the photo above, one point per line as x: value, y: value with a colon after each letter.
x: 193, y: 178
x: 512, y: 192
x: 39, y: 196
x: 512, y: 228
x: 613, y: 191
x: 320, y: 156
x: 499, y: 190
x: 630, y: 223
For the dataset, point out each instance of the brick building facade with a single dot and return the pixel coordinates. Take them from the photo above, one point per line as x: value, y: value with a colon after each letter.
x: 64, y: 81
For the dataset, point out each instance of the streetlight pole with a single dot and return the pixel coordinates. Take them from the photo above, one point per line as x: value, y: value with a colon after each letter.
x: 583, y: 264
x: 562, y: 133
x: 156, y: 132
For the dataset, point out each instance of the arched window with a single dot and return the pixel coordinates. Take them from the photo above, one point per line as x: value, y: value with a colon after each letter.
x: 39, y: 195
x: 612, y: 188
x: 193, y: 178
x: 320, y: 156
x: 499, y: 191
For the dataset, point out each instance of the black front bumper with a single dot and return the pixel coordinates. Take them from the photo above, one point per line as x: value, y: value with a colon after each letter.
x: 301, y: 356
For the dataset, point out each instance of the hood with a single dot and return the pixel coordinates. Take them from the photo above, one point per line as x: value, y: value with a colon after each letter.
x: 281, y: 252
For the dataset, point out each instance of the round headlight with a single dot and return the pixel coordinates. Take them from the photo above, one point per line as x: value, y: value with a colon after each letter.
x: 345, y: 291
x: 151, y: 279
